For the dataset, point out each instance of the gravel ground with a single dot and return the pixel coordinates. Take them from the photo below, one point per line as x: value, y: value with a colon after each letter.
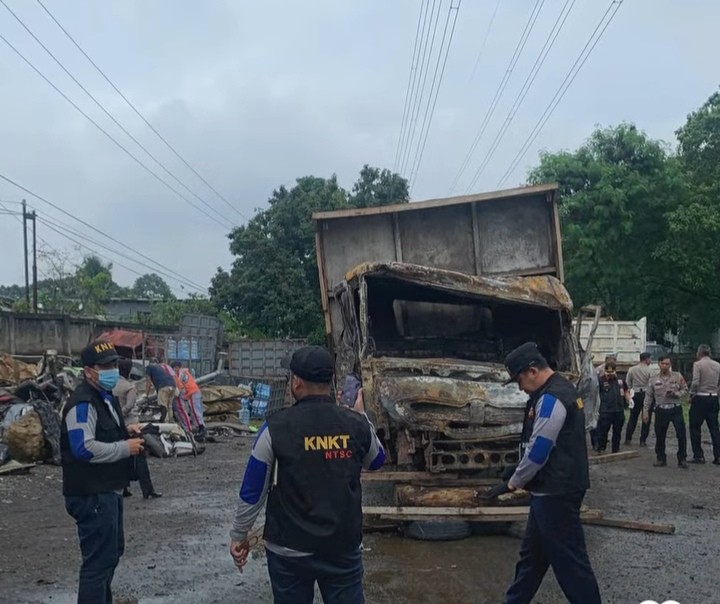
x: 177, y: 546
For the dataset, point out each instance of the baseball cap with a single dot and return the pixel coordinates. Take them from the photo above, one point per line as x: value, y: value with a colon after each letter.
x: 98, y: 353
x: 524, y: 356
x: 314, y: 364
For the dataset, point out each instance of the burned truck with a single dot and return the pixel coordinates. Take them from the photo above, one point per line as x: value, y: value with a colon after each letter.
x: 424, y: 300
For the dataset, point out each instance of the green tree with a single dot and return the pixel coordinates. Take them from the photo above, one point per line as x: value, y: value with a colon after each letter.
x: 272, y: 288
x: 377, y: 187
x: 691, y: 251
x: 152, y: 286
x: 615, y: 192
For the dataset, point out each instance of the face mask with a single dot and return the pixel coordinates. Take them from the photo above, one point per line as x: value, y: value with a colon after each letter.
x: 108, y: 378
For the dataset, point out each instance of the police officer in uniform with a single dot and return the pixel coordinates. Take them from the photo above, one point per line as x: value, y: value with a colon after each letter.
x: 704, y: 404
x: 554, y: 468
x: 96, y: 449
x: 306, y: 462
x: 665, y: 391
x: 637, y: 381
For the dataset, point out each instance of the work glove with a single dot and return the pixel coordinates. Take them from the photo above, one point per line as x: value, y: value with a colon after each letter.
x: 508, y: 472
x: 495, y: 491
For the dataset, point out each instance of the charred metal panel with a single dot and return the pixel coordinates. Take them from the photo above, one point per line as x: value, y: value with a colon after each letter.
x: 439, y: 237
x: 516, y: 235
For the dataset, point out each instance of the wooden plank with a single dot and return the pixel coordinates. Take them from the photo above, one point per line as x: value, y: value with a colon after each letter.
x: 438, y: 203
x: 428, y: 477
x: 622, y: 455
x: 498, y: 514
x: 632, y: 525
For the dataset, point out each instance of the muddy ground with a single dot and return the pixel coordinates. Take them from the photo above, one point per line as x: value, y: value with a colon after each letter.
x: 177, y: 546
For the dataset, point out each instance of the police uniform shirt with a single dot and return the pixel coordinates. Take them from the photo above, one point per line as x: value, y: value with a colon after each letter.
x: 706, y: 377
x: 639, y: 376
x: 659, y: 387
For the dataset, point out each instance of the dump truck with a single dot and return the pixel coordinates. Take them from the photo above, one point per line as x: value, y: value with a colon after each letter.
x: 423, y: 301
x: 624, y: 339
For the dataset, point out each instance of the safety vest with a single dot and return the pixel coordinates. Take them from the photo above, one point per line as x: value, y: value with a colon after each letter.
x: 185, y: 381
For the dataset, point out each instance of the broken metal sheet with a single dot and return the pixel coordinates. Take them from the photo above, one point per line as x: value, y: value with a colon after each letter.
x: 537, y: 290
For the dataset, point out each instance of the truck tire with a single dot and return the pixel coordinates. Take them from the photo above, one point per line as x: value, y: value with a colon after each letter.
x: 488, y: 529
x: 437, y: 530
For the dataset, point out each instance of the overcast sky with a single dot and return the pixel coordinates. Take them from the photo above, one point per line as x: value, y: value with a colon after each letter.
x: 256, y: 94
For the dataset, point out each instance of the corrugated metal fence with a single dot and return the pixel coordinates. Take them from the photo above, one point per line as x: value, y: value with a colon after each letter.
x: 260, y: 358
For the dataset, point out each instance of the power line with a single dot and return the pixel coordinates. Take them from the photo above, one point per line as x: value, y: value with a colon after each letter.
x: 566, y: 83
x: 108, y: 135
x: 420, y: 84
x: 425, y: 129
x: 88, y: 225
x: 141, y: 116
x: 413, y: 71
x: 529, y: 80
x: 60, y: 225
x: 110, y: 115
x: 532, y: 19
x: 484, y: 42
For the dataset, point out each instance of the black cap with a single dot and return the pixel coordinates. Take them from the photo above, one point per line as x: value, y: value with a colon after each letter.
x: 98, y: 353
x: 314, y: 364
x: 521, y: 358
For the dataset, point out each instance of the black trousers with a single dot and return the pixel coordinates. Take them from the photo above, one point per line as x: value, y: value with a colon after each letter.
x: 554, y: 537
x: 635, y: 416
x: 606, y: 421
x: 704, y: 409
x: 663, y: 419
x: 142, y: 474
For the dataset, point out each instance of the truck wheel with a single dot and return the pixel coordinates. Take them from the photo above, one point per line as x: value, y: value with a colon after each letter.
x: 437, y: 530
x: 487, y: 529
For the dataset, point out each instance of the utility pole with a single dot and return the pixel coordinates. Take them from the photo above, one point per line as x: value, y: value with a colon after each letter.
x: 34, y: 265
x: 25, y: 246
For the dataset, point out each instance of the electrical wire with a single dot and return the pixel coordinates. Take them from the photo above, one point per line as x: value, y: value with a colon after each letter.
x: 532, y: 19
x: 110, y: 115
x: 427, y: 122
x: 413, y: 71
x: 484, y: 42
x: 103, y: 245
x: 98, y: 231
x: 564, y: 86
x: 421, y: 81
x: 141, y: 116
x: 529, y: 80
x: 108, y: 135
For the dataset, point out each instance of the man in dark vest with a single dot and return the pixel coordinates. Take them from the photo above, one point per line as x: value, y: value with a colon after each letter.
x: 614, y: 395
x: 306, y: 461
x: 96, y: 450
x: 554, y: 468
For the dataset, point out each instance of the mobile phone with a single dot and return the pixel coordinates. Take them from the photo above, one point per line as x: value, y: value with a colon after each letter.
x: 350, y: 390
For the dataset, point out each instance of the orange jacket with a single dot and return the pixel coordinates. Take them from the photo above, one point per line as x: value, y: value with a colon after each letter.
x: 186, y: 383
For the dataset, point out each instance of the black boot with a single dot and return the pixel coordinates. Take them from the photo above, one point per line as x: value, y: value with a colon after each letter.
x: 126, y: 492
x: 151, y: 495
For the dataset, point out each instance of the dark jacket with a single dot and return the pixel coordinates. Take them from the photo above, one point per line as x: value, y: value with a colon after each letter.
x: 85, y: 478
x: 316, y: 503
x: 612, y: 394
x: 566, y: 470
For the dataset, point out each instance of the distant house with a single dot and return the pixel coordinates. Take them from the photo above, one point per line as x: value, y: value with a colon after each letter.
x: 127, y: 308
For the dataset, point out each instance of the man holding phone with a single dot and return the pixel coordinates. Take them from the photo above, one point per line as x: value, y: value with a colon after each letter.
x: 306, y: 461
x: 665, y: 390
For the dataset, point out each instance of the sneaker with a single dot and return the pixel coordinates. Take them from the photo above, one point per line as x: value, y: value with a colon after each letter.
x: 697, y: 460
x: 716, y: 461
x: 643, y: 443
x: 683, y: 465
x: 659, y: 464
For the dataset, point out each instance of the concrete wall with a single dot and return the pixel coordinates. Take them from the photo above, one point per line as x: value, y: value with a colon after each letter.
x: 33, y: 334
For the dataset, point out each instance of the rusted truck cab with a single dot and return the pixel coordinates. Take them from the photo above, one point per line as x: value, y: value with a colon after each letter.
x: 424, y: 301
